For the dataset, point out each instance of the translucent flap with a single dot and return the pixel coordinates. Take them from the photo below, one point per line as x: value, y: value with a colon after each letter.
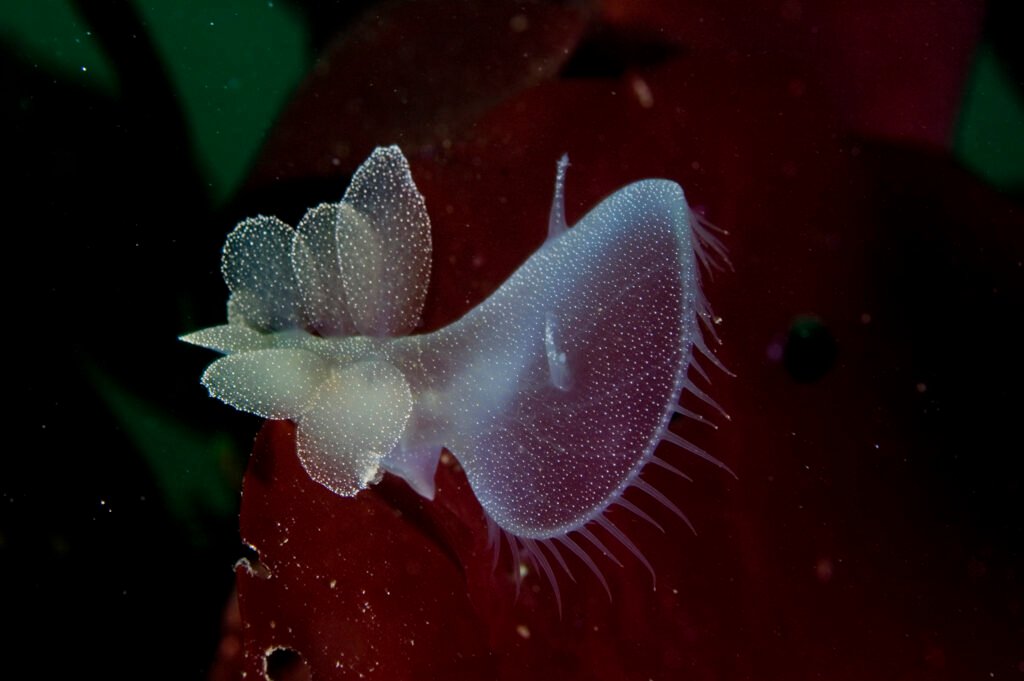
x: 274, y: 384
x: 358, y: 416
x: 257, y: 267
x: 318, y: 272
x: 384, y: 246
x: 228, y: 338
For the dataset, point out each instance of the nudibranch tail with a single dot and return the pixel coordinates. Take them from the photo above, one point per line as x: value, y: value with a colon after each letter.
x: 553, y: 394
x: 589, y: 348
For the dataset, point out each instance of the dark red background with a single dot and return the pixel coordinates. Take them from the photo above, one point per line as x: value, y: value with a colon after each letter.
x: 874, y: 531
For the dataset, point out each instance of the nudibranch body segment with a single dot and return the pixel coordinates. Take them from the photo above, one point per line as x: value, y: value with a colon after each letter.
x: 565, y: 376
x: 552, y: 394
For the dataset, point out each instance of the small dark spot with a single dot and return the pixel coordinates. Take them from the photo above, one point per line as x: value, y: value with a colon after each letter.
x: 285, y: 664
x: 250, y: 562
x: 810, y: 350
x: 610, y: 53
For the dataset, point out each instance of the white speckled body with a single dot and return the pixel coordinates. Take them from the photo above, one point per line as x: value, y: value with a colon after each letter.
x: 552, y: 394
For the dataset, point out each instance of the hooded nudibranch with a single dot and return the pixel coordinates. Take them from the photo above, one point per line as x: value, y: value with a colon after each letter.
x: 552, y: 394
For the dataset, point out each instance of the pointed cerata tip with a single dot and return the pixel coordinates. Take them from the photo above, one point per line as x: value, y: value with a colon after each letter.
x: 558, y: 384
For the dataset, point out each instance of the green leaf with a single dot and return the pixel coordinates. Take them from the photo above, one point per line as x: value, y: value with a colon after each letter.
x: 198, y: 474
x: 990, y: 134
x: 51, y: 35
x: 233, y: 63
